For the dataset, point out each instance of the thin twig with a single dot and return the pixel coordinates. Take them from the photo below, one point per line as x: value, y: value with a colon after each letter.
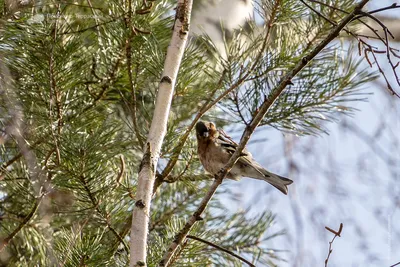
x: 384, y: 40
x: 96, y: 204
x: 392, y: 6
x: 130, y: 75
x: 28, y: 217
x: 336, y: 233
x: 122, y: 16
x: 221, y: 248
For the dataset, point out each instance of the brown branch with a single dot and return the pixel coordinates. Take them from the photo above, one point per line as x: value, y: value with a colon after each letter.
x: 388, y: 85
x: 96, y: 205
x: 384, y: 40
x: 17, y: 157
x: 28, y: 217
x: 221, y: 248
x: 54, y: 90
x: 395, y: 264
x: 132, y: 84
x: 122, y: 16
x: 122, y: 170
x: 336, y: 233
x: 176, y: 256
x: 263, y: 109
x: 328, y: 5
x: 392, y: 6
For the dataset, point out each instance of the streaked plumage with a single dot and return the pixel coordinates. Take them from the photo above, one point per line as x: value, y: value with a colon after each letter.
x: 215, y: 149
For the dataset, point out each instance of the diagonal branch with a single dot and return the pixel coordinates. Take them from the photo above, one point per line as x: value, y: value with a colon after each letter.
x: 24, y: 222
x: 220, y: 248
x: 263, y: 109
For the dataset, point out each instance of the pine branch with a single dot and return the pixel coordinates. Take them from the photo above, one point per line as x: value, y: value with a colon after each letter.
x: 220, y: 248
x: 262, y: 110
x: 24, y: 222
x: 132, y: 83
x: 141, y: 211
x: 96, y: 204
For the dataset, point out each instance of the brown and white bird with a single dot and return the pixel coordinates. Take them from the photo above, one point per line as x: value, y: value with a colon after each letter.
x: 215, y: 149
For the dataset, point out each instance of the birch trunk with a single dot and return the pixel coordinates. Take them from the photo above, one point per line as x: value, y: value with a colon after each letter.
x: 141, y: 211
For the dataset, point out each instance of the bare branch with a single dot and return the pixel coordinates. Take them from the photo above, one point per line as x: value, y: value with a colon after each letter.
x: 221, y: 248
x: 333, y: 239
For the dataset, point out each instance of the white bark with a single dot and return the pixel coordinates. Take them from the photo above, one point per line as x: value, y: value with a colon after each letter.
x: 141, y: 211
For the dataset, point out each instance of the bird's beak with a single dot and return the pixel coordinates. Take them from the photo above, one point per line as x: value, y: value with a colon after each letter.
x: 202, y: 129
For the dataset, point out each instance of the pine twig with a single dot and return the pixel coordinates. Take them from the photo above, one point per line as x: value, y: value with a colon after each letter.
x: 24, y: 222
x: 261, y: 112
x: 221, y: 248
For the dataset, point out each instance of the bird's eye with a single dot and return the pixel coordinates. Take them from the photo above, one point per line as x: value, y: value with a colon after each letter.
x: 202, y: 129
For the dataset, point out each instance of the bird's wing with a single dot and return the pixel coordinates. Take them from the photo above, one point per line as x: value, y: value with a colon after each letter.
x: 230, y: 146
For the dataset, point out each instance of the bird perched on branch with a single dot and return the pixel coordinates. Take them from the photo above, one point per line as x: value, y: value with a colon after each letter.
x: 215, y: 149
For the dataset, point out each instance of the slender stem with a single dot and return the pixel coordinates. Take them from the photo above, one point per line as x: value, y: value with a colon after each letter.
x: 337, y: 233
x: 221, y: 248
x: 28, y: 217
x: 132, y: 83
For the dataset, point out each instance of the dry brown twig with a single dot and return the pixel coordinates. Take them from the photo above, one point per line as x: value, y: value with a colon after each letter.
x: 333, y: 239
x: 391, y: 53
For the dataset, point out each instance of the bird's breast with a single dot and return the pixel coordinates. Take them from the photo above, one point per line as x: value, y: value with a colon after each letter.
x: 212, y: 157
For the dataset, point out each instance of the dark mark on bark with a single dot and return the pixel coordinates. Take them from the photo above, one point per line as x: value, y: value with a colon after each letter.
x: 166, y: 79
x: 182, y: 16
x: 140, y: 204
x: 146, y: 160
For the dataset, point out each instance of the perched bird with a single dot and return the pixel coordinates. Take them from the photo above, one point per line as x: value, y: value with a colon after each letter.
x: 215, y: 149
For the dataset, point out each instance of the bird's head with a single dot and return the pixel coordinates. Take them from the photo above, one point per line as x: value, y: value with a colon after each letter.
x: 205, y: 130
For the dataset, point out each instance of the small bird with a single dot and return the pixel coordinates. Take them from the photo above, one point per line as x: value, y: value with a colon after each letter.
x: 215, y: 149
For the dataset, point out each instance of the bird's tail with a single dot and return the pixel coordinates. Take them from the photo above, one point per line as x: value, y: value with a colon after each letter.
x: 279, y: 182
